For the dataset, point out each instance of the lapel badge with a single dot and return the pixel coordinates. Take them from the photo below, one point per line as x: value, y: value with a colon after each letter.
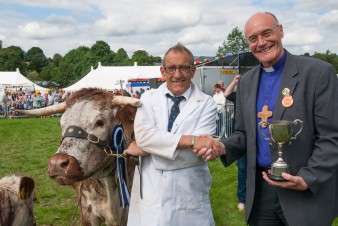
x: 286, y: 92
x: 287, y: 100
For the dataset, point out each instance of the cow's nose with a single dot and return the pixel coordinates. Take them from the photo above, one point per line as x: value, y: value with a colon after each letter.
x: 66, y: 165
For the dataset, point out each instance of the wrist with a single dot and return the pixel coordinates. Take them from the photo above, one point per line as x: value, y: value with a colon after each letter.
x: 192, y: 141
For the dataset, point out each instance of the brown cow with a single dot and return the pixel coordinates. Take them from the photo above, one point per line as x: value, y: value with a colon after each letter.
x: 82, y: 160
x: 16, y: 201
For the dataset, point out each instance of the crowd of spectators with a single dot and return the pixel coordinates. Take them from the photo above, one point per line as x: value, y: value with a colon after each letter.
x: 11, y: 101
x: 136, y: 94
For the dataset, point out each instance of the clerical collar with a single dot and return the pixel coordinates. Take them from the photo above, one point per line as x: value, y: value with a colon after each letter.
x: 276, y: 66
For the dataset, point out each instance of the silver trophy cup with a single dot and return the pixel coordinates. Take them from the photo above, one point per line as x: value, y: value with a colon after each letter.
x: 280, y: 132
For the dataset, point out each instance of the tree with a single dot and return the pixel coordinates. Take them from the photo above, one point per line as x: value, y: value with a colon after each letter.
x: 36, y: 59
x: 329, y: 57
x: 143, y: 58
x: 74, y: 65
x: 12, y: 58
x: 235, y: 42
x: 100, y: 52
x: 122, y: 58
x: 57, y: 59
x: 18, y: 50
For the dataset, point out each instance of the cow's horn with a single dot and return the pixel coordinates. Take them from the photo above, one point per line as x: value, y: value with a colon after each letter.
x: 123, y: 100
x: 57, y: 108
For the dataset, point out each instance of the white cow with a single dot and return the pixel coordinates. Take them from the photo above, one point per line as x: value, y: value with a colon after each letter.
x: 82, y: 160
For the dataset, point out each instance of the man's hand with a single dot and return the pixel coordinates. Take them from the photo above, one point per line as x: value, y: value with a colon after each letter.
x: 208, y: 148
x: 134, y: 150
x: 293, y: 182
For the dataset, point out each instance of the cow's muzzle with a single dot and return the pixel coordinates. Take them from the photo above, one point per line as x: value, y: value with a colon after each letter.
x: 65, y: 169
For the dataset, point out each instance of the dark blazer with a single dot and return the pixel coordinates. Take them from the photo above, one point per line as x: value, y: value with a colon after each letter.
x: 313, y: 155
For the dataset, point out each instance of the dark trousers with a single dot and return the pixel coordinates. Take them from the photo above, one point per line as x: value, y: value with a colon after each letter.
x: 266, y: 209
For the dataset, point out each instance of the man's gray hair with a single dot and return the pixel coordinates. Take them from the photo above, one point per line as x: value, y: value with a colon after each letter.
x: 179, y: 48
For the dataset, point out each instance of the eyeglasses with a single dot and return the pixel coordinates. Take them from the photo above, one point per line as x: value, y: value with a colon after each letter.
x: 264, y: 35
x: 181, y: 68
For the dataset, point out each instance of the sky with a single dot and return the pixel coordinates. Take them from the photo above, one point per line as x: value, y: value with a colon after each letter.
x: 58, y: 26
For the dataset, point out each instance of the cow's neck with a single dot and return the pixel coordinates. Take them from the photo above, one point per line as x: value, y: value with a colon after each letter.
x: 99, y: 198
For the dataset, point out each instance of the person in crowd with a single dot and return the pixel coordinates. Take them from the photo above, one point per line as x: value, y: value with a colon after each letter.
x: 50, y: 98
x: 61, y: 93
x: 142, y: 91
x: 138, y: 94
x: 116, y: 92
x: 125, y: 93
x: 220, y: 101
x: 221, y: 83
x: 286, y: 87
x: 175, y: 181
x: 38, y: 101
x: 3, y: 102
x: 19, y: 100
x: 11, y: 109
x: 31, y: 97
x: 230, y: 94
x: 135, y: 95
x: 25, y: 102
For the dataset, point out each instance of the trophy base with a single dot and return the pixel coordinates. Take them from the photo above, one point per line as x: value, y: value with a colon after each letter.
x: 276, y: 178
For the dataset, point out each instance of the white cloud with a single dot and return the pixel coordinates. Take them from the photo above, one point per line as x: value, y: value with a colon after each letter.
x: 43, y: 31
x: 57, y: 26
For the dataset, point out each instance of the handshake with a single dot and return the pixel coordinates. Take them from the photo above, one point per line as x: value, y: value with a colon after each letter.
x: 203, y: 146
x: 207, y: 147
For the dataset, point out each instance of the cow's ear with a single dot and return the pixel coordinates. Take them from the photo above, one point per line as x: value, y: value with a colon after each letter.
x: 26, y: 187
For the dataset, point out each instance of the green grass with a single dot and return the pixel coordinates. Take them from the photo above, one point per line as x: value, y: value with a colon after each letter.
x: 27, y: 144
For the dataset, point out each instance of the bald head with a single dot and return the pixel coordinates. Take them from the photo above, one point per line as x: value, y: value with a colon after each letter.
x: 264, y: 35
x: 260, y: 15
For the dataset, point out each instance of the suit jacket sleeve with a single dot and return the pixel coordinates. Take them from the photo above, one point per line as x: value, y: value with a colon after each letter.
x: 323, y: 163
x: 237, y: 141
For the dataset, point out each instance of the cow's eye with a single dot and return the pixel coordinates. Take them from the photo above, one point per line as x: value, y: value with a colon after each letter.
x: 99, y: 123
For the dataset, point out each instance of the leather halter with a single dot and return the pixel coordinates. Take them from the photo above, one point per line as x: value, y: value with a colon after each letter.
x: 78, y: 132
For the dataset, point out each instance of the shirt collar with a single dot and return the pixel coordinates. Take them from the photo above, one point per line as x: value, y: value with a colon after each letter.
x: 186, y: 94
x: 276, y: 66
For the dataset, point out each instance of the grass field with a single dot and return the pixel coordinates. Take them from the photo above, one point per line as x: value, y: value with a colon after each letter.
x: 27, y: 144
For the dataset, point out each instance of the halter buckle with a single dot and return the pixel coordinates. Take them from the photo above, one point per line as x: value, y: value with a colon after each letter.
x: 91, y: 138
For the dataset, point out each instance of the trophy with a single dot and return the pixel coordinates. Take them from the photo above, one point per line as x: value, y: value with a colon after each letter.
x: 281, y: 132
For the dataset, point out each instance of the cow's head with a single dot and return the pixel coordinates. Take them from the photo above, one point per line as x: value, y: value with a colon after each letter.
x: 95, y: 113
x: 17, y: 200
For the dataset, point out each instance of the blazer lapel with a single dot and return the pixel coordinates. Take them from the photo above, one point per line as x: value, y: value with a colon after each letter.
x: 288, y: 81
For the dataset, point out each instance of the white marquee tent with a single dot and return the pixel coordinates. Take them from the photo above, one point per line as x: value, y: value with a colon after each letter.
x: 111, y: 77
x: 15, y: 80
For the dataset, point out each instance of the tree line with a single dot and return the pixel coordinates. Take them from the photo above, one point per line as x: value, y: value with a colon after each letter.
x: 68, y: 69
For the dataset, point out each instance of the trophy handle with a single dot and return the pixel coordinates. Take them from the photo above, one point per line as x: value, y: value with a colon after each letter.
x: 300, y: 130
x: 259, y: 128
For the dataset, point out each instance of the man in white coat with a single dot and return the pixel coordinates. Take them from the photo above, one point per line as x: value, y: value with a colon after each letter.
x: 172, y: 187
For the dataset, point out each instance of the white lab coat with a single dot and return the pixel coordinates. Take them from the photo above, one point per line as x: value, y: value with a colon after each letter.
x: 175, y: 183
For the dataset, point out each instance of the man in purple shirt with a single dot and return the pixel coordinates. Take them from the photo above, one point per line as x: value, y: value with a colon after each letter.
x: 309, y: 196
